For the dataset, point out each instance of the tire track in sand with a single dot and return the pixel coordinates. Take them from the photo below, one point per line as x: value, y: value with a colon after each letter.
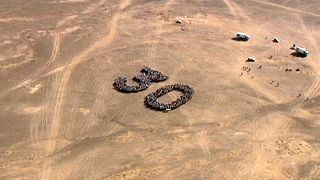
x: 236, y: 10
x: 286, y: 8
x: 275, y: 128
x: 200, y: 137
x: 230, y: 7
x: 152, y: 54
x: 265, y: 133
x: 54, y: 52
x: 57, y: 113
x: 105, y: 41
x: 56, y: 47
x: 316, y: 87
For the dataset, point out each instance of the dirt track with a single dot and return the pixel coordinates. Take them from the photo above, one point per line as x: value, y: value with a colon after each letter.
x: 60, y: 117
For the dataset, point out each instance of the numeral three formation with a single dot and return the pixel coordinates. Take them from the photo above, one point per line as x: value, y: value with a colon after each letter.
x: 145, y: 79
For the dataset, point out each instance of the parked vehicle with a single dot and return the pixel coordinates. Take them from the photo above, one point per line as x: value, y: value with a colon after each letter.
x: 301, y: 51
x: 242, y: 36
x: 251, y: 59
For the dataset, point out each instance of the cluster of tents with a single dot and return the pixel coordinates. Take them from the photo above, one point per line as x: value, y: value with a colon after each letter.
x: 144, y: 81
x: 152, y: 102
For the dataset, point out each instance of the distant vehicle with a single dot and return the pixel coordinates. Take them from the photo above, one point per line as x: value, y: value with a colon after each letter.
x: 179, y: 21
x: 242, y: 36
x: 276, y: 40
x: 301, y: 51
x: 251, y: 59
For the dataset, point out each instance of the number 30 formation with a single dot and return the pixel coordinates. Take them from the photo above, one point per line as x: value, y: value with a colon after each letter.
x: 145, y: 79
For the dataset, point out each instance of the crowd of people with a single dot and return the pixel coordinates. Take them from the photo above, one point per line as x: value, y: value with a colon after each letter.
x: 121, y: 84
x: 153, y: 102
x: 154, y: 75
x: 144, y: 80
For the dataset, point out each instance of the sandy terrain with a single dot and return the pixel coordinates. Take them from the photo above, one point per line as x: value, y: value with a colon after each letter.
x: 60, y: 117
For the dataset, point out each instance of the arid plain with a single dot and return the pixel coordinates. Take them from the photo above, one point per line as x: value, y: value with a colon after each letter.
x: 61, y: 118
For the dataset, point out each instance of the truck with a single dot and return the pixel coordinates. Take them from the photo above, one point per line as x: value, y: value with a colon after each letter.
x: 301, y: 51
x: 251, y: 59
x: 242, y: 36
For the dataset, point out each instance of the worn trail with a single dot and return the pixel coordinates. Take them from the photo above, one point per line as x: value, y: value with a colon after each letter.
x: 62, y: 86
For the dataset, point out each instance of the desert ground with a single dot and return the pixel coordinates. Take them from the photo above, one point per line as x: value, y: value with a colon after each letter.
x: 61, y: 118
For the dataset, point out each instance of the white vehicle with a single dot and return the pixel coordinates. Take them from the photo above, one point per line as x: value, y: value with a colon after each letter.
x: 179, y: 21
x: 251, y: 59
x: 301, y: 51
x: 242, y: 36
x: 276, y: 40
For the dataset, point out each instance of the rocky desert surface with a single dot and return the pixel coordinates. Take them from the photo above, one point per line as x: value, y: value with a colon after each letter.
x: 61, y: 118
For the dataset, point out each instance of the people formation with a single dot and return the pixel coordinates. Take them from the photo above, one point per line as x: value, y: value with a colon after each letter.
x: 154, y: 75
x: 153, y: 102
x: 145, y: 79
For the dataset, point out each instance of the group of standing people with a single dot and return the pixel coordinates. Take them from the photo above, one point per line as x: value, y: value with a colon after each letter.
x: 153, y: 102
x: 145, y: 79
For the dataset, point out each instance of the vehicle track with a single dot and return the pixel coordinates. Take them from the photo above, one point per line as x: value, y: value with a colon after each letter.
x: 103, y: 86
x: 266, y: 130
x: 25, y: 4
x: 151, y: 57
x: 231, y: 8
x: 287, y: 8
x: 40, y: 121
x: 55, y: 50
x: 286, y: 2
x: 180, y: 68
x: 103, y: 42
x: 30, y: 81
x: 93, y: 7
x: 152, y: 54
x: 62, y: 86
x: 56, y: 47
x: 15, y: 19
x: 316, y: 87
x: 201, y: 137
x: 239, y: 10
x: 276, y: 128
x: 265, y: 133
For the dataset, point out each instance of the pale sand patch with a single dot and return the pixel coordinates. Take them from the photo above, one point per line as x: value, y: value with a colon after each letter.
x: 35, y: 88
x: 32, y: 109
x: 128, y: 137
x: 84, y: 111
x: 70, y: 30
